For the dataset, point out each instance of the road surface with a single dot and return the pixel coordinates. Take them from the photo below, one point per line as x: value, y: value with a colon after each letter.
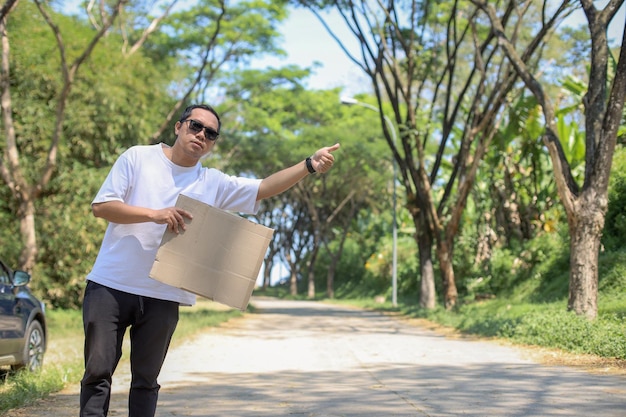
x: 303, y: 358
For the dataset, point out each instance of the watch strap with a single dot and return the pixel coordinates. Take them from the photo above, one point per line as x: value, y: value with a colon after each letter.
x: 309, y: 166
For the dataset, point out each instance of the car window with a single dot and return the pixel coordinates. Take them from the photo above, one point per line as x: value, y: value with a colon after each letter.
x: 4, y: 276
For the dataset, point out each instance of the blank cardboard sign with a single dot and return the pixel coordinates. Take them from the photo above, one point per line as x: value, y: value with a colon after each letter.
x: 218, y: 256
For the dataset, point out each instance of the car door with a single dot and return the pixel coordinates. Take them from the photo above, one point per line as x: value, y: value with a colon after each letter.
x: 10, y: 320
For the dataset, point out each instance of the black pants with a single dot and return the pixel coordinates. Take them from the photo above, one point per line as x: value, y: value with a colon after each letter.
x: 106, y: 315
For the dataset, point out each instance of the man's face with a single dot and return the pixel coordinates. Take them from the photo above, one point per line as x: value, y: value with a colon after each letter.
x: 196, y: 135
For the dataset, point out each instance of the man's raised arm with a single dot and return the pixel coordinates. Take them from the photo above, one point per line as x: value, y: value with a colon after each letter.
x: 321, y: 161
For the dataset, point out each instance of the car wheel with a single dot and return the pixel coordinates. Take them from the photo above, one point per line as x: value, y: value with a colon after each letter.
x: 33, y: 349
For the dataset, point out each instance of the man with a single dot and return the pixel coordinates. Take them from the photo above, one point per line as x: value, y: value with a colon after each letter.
x: 138, y: 198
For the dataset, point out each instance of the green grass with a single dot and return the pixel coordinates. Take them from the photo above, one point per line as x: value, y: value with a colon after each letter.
x: 546, y: 324
x: 540, y: 324
x: 63, y: 362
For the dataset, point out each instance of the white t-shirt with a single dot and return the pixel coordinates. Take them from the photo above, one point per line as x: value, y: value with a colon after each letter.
x: 143, y: 176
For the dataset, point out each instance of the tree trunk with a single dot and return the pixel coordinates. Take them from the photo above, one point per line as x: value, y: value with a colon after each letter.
x: 332, y: 268
x: 444, y: 254
x: 273, y: 250
x: 428, y: 295
x: 311, y: 285
x: 336, y: 257
x: 330, y: 282
x: 267, y: 273
x: 330, y: 274
x: 311, y: 270
x: 293, y: 282
x: 293, y: 276
x: 585, y: 234
x: 603, y: 105
x: 28, y: 255
x: 12, y: 174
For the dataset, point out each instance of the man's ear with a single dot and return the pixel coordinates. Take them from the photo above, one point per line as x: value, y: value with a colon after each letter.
x: 177, y: 127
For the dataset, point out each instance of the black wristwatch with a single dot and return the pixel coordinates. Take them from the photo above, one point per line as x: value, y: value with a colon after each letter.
x: 309, y: 166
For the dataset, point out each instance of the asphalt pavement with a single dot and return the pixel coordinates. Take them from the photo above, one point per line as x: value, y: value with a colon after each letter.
x: 304, y: 358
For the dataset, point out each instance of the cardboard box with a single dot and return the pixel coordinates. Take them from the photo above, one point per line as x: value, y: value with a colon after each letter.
x: 218, y: 257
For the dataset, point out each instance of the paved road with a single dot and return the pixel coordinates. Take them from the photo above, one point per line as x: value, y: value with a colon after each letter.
x: 299, y: 358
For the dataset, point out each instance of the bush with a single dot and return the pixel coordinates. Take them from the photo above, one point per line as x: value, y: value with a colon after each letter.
x: 615, y: 220
x: 605, y: 336
x: 539, y: 267
x: 612, y: 271
x: 69, y: 237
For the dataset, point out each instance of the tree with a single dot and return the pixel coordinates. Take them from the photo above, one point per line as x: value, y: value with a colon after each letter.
x: 446, y: 83
x: 212, y: 39
x: 209, y: 46
x: 586, y: 204
x: 104, y: 116
x: 270, y: 119
x: 61, y: 60
x: 27, y: 190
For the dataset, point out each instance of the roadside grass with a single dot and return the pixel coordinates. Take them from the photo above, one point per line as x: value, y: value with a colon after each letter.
x: 523, y: 300
x: 546, y: 325
x: 542, y: 322
x: 63, y: 362
x: 537, y: 323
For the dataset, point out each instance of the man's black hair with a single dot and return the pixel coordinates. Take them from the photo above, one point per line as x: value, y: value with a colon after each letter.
x: 187, y: 113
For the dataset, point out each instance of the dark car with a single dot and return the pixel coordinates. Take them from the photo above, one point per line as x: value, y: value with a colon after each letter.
x: 22, y: 322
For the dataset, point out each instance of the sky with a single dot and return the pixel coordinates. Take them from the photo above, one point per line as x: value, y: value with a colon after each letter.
x: 306, y: 41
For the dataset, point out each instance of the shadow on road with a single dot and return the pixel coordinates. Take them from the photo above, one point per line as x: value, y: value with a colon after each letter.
x: 494, y: 390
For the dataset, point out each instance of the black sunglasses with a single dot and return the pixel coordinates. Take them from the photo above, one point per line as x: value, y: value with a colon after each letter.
x: 195, y: 127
